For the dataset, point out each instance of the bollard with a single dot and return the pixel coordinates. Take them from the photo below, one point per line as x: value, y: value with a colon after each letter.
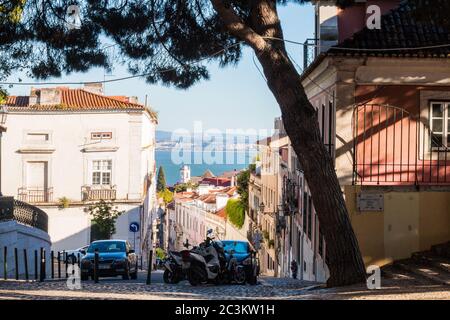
x: 65, y: 262
x: 44, y: 265
x: 73, y: 262
x: 41, y: 273
x: 59, y: 265
x: 16, y: 263
x: 52, y: 258
x: 137, y: 265
x: 149, y: 267
x: 5, y: 264
x: 25, y: 262
x: 96, y: 266
x: 35, y: 264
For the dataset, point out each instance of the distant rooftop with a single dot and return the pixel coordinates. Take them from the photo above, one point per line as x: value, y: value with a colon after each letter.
x: 64, y: 98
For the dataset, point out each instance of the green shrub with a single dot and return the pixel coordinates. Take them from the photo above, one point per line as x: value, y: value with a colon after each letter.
x: 63, y: 203
x: 235, y: 212
x: 160, y: 253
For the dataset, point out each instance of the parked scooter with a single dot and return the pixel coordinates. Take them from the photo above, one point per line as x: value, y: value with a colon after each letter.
x: 204, y: 263
x: 173, y: 272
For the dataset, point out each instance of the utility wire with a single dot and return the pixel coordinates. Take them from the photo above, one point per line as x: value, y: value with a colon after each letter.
x: 362, y: 49
x: 259, y: 70
x: 122, y: 78
x: 209, y: 57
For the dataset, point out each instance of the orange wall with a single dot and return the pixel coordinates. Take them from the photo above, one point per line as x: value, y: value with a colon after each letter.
x: 387, y: 140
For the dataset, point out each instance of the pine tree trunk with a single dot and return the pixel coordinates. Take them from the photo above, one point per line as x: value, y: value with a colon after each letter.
x: 301, y: 124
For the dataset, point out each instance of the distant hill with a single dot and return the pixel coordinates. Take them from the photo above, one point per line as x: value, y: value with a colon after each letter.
x: 166, y: 136
x: 163, y: 136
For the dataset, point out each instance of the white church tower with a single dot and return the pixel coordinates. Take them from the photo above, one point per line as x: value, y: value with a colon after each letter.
x: 185, y: 174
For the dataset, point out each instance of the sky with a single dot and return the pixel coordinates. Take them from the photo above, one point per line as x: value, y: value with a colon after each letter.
x: 235, y: 97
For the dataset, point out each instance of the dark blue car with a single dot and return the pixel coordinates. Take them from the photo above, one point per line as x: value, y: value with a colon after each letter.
x: 116, y: 258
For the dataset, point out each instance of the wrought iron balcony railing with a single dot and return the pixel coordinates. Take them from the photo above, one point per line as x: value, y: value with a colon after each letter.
x: 22, y: 212
x: 35, y: 195
x: 94, y: 193
x: 393, y: 147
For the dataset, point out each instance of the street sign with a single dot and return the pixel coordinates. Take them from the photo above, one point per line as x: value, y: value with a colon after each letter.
x: 134, y: 227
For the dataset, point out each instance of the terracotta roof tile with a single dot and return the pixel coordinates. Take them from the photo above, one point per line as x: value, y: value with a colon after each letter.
x: 222, y: 213
x: 401, y: 29
x: 76, y: 99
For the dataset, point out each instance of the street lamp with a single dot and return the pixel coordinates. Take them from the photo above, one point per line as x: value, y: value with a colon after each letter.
x: 3, y: 116
x: 262, y: 207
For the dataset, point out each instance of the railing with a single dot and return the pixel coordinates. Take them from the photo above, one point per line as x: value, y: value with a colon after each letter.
x: 93, y: 193
x: 35, y: 195
x: 22, y: 212
x: 391, y: 147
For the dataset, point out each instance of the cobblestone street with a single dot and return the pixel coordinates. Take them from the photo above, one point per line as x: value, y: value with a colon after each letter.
x: 268, y: 288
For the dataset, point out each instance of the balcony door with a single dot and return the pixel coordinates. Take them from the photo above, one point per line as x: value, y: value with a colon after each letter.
x: 37, y: 181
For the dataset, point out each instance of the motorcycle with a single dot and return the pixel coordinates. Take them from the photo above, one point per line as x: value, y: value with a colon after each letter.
x: 205, y: 262
x: 173, y: 271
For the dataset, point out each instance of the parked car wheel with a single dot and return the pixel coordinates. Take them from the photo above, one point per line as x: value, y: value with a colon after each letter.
x: 134, y: 274
x: 253, y: 280
x: 240, y: 275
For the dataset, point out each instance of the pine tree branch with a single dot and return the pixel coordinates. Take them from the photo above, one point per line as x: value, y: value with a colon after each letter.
x: 237, y: 27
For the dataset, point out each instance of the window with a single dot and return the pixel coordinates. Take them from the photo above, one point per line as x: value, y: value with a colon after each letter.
x: 440, y: 125
x: 39, y: 137
x: 101, y: 135
x: 101, y: 172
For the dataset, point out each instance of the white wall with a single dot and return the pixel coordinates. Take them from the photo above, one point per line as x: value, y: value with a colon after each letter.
x: 16, y: 235
x: 69, y: 228
x: 70, y: 152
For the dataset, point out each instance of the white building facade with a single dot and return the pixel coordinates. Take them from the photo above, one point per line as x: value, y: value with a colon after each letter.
x: 192, y: 214
x: 66, y: 149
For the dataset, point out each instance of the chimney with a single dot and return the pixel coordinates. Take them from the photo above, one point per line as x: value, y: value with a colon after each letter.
x: 33, y: 97
x: 96, y: 88
x: 133, y: 99
x: 46, y: 96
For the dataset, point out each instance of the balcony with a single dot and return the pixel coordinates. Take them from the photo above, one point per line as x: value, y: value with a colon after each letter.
x: 393, y: 147
x: 98, y: 192
x: 35, y: 195
x: 22, y: 212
